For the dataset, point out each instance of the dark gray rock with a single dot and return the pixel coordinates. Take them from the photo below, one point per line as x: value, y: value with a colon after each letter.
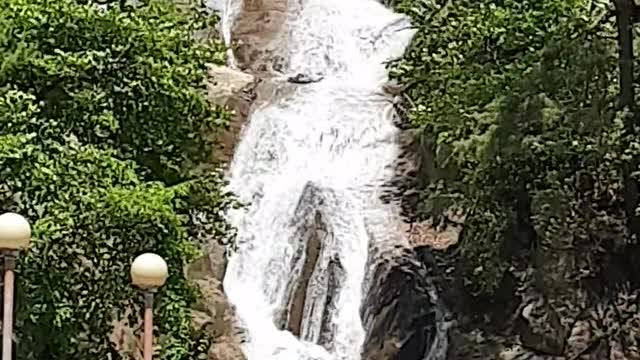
x: 304, y: 79
x: 540, y: 328
x: 335, y: 278
x: 309, y: 236
x: 313, y: 247
x: 402, y: 316
x: 317, y: 271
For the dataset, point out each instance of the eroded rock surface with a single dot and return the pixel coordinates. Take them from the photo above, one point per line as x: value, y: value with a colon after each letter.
x: 235, y: 90
x: 335, y: 277
x: 401, y: 313
x: 213, y: 312
x: 254, y: 33
x: 313, y: 246
x: 316, y: 268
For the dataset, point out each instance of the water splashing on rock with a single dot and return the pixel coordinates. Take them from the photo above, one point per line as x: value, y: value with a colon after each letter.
x: 315, y: 155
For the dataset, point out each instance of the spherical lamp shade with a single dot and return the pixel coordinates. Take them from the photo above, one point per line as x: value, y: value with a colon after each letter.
x: 149, y: 271
x: 15, y: 232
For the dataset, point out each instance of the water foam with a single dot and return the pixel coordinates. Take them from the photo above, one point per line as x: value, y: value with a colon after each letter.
x: 337, y: 134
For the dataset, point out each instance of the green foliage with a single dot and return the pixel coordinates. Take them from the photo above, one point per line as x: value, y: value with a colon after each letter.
x: 102, y: 120
x: 124, y: 80
x: 516, y: 100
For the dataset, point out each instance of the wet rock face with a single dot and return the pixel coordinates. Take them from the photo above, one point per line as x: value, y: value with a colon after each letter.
x: 310, y: 235
x: 401, y: 315
x: 335, y: 278
x: 254, y: 33
x: 314, y: 260
x: 313, y: 246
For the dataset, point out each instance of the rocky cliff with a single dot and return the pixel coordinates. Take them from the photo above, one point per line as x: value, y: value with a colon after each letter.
x: 525, y: 321
x: 213, y: 312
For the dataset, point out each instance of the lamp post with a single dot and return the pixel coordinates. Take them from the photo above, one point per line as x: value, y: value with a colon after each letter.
x: 15, y: 234
x: 148, y: 272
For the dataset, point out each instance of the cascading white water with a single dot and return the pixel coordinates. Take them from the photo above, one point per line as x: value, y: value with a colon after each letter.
x: 337, y: 135
x: 228, y: 10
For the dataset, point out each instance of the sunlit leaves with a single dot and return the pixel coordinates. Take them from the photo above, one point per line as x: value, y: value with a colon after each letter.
x: 102, y: 120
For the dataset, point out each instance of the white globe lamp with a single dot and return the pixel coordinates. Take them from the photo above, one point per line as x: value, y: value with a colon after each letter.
x: 149, y: 271
x: 15, y: 235
x: 15, y: 232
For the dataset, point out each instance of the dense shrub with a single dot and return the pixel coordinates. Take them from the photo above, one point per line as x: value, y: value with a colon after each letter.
x: 123, y: 80
x: 102, y: 121
x: 516, y: 103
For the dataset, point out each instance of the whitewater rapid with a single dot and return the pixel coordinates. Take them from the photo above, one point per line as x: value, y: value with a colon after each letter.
x: 336, y: 136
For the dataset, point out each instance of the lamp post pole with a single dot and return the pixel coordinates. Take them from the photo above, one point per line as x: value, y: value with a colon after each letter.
x: 7, y: 317
x: 148, y: 272
x: 15, y: 234
x: 148, y: 324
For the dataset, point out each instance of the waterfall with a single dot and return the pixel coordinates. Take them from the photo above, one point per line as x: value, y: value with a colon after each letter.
x: 319, y: 155
x: 228, y: 10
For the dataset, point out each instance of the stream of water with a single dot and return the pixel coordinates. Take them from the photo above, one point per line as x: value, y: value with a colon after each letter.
x: 335, y: 136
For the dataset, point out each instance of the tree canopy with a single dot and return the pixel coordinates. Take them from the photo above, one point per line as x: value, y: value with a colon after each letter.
x: 103, y: 121
x: 516, y: 106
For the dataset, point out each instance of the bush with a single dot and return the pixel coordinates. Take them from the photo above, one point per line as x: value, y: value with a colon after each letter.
x: 124, y: 80
x: 516, y: 103
x: 102, y: 121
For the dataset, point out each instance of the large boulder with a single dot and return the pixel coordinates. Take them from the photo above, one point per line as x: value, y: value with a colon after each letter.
x: 402, y: 316
x: 312, y: 245
x: 316, y: 269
